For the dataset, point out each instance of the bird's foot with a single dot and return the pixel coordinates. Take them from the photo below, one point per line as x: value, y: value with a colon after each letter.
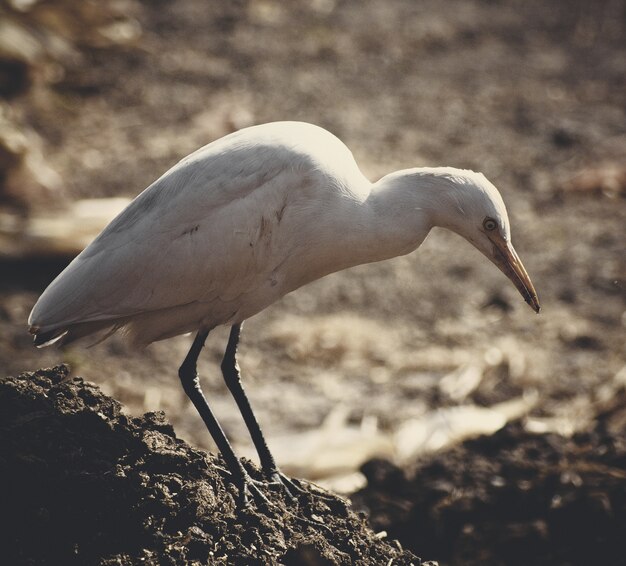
x: 250, y: 490
x: 292, y: 489
x: 296, y: 486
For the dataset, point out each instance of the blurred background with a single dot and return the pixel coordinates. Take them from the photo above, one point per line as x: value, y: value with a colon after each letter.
x: 397, y: 359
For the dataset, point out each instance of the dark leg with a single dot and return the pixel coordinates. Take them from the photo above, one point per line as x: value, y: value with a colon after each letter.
x: 232, y: 377
x: 189, y: 378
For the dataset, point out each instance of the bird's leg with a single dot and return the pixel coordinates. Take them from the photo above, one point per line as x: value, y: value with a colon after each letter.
x: 232, y: 377
x: 189, y: 378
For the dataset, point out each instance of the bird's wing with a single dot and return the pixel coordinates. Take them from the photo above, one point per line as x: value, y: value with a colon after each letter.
x: 199, y: 233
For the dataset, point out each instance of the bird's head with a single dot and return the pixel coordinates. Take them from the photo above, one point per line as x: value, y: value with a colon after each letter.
x: 468, y: 204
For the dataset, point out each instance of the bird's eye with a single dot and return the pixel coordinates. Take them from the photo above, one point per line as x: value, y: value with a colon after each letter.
x: 489, y: 224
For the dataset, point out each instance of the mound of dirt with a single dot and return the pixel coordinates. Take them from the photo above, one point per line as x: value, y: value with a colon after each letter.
x: 82, y: 483
x: 513, y: 498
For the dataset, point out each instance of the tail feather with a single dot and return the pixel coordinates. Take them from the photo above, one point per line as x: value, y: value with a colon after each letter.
x: 142, y: 329
x: 48, y: 338
x: 61, y: 336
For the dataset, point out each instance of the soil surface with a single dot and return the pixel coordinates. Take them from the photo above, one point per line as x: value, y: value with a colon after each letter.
x: 86, y: 484
x: 513, y: 498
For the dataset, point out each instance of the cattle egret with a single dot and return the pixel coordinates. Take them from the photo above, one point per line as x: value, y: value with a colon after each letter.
x: 243, y: 221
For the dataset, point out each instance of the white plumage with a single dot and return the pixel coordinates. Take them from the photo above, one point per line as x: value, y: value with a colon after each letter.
x: 243, y: 221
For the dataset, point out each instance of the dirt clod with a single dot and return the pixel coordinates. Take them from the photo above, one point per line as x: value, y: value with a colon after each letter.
x: 511, y: 498
x: 83, y: 483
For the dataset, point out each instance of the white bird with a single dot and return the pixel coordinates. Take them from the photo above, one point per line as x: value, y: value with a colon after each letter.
x: 245, y: 220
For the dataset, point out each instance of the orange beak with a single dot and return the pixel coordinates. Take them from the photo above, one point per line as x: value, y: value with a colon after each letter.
x: 507, y: 260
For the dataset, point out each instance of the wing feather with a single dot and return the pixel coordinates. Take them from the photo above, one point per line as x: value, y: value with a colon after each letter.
x: 192, y: 236
x: 202, y: 235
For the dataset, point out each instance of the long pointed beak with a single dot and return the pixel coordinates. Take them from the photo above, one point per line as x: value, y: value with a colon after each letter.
x: 507, y: 260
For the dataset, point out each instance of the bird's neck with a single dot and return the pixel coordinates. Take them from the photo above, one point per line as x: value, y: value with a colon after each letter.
x: 401, y: 215
x: 370, y: 223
